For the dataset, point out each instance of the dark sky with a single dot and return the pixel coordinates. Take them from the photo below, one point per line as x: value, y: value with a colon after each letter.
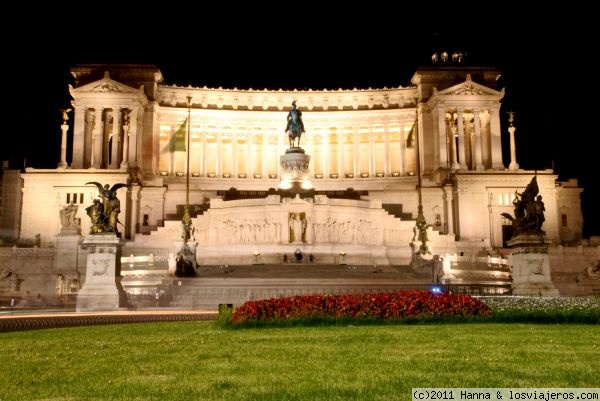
x: 543, y: 67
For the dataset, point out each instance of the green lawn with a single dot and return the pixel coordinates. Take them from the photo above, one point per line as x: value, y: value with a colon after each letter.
x: 200, y: 361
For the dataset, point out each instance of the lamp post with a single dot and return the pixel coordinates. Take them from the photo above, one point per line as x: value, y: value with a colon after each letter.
x: 421, y: 223
x: 186, y: 221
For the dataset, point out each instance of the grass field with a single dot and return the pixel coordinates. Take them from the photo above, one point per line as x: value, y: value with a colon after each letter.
x: 200, y: 361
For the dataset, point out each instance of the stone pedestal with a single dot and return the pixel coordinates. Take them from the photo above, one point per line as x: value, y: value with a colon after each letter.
x: 66, y: 263
x: 531, y: 266
x: 294, y: 170
x: 102, y: 289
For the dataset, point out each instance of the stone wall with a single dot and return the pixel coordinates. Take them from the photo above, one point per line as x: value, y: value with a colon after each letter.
x: 573, y: 270
x: 26, y: 274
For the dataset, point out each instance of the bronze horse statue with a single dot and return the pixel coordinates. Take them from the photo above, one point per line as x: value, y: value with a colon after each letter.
x: 295, y: 126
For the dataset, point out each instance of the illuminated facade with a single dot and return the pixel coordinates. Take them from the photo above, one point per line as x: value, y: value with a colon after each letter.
x: 127, y: 125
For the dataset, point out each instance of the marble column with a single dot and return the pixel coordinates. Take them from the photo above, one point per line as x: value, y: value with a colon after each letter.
x: 448, y: 197
x: 371, y: 152
x: 356, y: 140
x: 311, y: 151
x: 234, y: 150
x: 513, y: 147
x: 264, y: 146
x: 219, y: 154
x: 134, y: 214
x: 462, y: 154
x: 203, y: 171
x: 452, y: 144
x: 78, y: 137
x: 402, y: 166
x: 63, y: 146
x: 126, y: 128
x: 386, y: 151
x: 116, y: 138
x: 477, y: 127
x: 496, y: 141
x: 97, y: 139
x: 442, y: 138
x: 280, y: 151
x: 340, y: 150
x: 325, y: 150
x: 250, y: 153
x: 132, y: 138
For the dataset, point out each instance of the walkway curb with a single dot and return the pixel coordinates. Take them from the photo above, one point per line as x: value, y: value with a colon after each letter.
x: 22, y: 323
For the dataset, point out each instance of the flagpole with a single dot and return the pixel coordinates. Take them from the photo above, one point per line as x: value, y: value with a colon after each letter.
x: 187, y: 220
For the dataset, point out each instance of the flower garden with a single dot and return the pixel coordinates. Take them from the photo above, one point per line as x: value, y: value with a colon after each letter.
x: 411, y: 306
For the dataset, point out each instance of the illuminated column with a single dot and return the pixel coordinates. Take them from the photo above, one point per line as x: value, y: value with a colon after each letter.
x: 340, y: 151
x: 78, y: 151
x: 234, y: 149
x: 452, y: 143
x: 132, y: 139
x: 264, y: 146
x: 402, y: 166
x: 462, y: 154
x: 126, y: 128
x: 63, y: 141
x: 280, y: 151
x: 371, y: 152
x: 133, y: 193
x: 513, y: 147
x: 325, y: 150
x: 97, y: 138
x: 250, y: 153
x: 311, y: 147
x: 386, y: 151
x: 442, y: 137
x: 495, y: 138
x: 448, y: 195
x: 114, y: 148
x: 477, y: 123
x: 203, y: 171
x: 218, y: 156
x: 355, y: 144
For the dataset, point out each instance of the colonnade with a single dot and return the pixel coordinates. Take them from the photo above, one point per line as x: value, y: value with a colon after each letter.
x: 104, y: 137
x: 350, y: 152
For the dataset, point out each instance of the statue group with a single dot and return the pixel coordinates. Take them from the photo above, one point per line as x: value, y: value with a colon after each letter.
x: 529, y: 211
x: 295, y: 126
x: 104, y: 212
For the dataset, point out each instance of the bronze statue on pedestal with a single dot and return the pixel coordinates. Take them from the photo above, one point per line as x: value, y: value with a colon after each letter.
x: 105, y: 214
x: 295, y: 126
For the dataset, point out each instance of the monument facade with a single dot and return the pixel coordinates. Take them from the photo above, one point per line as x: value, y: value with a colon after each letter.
x: 354, y: 151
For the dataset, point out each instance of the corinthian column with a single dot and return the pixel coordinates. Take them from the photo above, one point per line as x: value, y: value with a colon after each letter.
x: 116, y: 137
x: 63, y: 141
x: 126, y: 127
x: 513, y: 147
x: 477, y: 124
x: 97, y: 139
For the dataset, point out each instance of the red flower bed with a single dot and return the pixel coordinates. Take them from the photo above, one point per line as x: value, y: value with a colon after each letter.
x: 387, y: 305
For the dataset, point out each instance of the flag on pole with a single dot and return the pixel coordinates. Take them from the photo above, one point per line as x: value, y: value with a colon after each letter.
x: 178, y: 139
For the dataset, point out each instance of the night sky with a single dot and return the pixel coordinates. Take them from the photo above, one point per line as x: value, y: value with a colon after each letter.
x: 543, y: 69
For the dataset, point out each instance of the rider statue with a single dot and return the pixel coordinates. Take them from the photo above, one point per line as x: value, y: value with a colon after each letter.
x: 295, y: 126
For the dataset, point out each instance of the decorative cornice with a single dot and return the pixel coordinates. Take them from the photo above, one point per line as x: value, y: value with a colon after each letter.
x: 273, y: 100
